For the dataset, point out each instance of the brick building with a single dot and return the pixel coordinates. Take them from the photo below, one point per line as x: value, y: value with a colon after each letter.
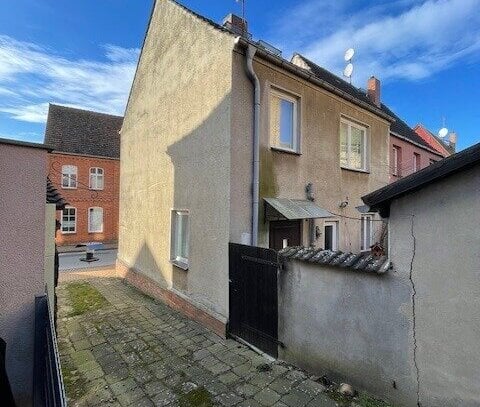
x: 85, y: 167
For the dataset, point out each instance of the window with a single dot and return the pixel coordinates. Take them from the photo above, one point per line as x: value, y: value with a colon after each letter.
x: 96, y: 178
x: 367, y: 231
x: 283, y: 121
x: 69, y: 220
x: 416, y: 162
x: 396, y: 161
x: 69, y: 176
x: 331, y: 235
x: 180, y: 238
x: 353, y: 146
x: 95, y: 220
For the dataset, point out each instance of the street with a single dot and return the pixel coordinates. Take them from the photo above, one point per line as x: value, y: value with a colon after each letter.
x: 71, y: 261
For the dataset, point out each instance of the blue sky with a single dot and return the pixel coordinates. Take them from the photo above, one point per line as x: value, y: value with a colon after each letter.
x: 83, y: 53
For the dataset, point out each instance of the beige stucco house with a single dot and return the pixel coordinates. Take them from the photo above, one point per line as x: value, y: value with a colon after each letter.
x: 226, y: 141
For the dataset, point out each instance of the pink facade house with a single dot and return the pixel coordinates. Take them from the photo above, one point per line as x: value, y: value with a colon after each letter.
x: 436, y: 143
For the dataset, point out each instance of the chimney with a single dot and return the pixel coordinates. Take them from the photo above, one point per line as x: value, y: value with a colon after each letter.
x: 236, y: 24
x: 452, y: 140
x: 373, y: 90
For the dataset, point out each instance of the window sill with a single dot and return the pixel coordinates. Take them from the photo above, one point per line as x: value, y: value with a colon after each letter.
x: 355, y: 170
x: 69, y: 187
x: 68, y: 233
x: 93, y: 233
x: 180, y: 264
x: 96, y: 189
x: 285, y: 150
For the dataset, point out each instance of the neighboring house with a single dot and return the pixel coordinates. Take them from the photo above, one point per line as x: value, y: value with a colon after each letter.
x: 423, y: 209
x: 27, y: 224
x: 85, y: 166
x: 196, y: 113
x: 435, y: 142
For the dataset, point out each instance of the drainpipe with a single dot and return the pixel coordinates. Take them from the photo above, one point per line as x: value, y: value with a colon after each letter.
x: 251, y: 50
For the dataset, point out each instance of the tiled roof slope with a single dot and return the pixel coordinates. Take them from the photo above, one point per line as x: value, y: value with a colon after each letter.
x: 54, y: 197
x: 399, y: 126
x: 364, y: 262
x: 84, y: 132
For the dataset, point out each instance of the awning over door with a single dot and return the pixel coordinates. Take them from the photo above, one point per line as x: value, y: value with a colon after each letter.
x: 293, y: 209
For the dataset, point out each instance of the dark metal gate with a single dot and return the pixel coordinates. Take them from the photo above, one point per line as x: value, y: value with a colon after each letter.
x: 253, y: 296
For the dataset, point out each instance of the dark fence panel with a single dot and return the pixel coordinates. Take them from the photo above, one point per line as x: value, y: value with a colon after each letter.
x: 47, y: 376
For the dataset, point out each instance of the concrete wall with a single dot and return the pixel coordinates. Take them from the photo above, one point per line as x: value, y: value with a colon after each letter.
x: 49, y: 270
x: 175, y: 153
x: 352, y: 326
x: 286, y: 175
x: 434, y: 235
x: 23, y: 174
x: 407, y: 151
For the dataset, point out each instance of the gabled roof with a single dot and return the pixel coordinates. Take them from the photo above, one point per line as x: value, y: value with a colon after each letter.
x: 398, y: 127
x: 77, y: 131
x: 380, y: 199
x: 54, y: 197
x: 433, y: 141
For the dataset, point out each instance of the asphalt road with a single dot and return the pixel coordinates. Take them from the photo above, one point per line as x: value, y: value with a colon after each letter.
x: 71, y: 261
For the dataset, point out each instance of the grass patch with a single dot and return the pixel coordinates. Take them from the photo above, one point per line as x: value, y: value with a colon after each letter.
x: 74, y: 382
x: 84, y: 298
x: 362, y: 400
x: 199, y: 397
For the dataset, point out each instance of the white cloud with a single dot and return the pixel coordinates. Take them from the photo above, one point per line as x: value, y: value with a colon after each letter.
x: 402, y: 39
x: 31, y: 76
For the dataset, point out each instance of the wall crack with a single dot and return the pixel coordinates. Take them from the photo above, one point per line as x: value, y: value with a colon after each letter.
x: 414, y: 321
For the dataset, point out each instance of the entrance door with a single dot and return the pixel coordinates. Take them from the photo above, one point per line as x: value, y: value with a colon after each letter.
x: 285, y: 233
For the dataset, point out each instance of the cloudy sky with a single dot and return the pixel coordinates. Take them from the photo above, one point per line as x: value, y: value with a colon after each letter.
x: 83, y: 54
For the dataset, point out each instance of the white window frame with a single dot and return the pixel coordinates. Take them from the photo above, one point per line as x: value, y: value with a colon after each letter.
x: 365, y: 158
x: 69, y: 170
x: 395, y: 167
x: 366, y: 241
x: 96, y: 176
x: 335, y: 233
x: 179, y: 261
x: 69, y: 232
x: 295, y: 146
x: 90, y: 230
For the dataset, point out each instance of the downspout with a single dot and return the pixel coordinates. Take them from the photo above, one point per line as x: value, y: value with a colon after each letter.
x: 251, y: 50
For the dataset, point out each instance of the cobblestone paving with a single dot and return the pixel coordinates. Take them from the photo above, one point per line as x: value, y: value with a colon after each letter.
x: 137, y: 351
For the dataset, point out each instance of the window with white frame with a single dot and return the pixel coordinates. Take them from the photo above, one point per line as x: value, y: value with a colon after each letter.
x: 353, y: 145
x: 95, y: 220
x: 367, y: 231
x: 396, y: 161
x: 96, y: 178
x: 69, y: 176
x: 330, y: 233
x: 69, y: 220
x: 283, y: 121
x: 180, y: 236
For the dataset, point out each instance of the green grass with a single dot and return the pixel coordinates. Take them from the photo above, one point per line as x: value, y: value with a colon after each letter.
x: 74, y: 382
x: 84, y: 298
x: 196, y: 398
x: 363, y: 400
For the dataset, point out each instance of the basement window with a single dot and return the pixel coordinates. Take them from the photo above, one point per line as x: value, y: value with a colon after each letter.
x: 284, y: 121
x: 179, y: 245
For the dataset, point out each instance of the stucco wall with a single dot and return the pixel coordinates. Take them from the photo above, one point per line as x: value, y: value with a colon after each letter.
x: 23, y: 174
x: 434, y: 234
x: 406, y: 164
x: 286, y: 175
x: 352, y: 326
x: 175, y: 153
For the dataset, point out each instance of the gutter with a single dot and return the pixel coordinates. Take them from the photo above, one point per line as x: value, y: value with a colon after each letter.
x: 288, y: 66
x: 250, y: 53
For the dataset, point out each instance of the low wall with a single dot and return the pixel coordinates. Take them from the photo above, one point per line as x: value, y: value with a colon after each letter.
x: 353, y: 326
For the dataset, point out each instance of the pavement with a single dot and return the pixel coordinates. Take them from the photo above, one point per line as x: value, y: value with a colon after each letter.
x: 71, y: 261
x: 135, y: 351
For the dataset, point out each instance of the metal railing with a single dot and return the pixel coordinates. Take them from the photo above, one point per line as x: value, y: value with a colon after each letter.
x: 48, y: 390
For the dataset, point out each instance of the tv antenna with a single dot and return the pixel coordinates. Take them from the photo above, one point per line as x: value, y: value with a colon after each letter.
x: 243, y: 9
x: 348, y: 71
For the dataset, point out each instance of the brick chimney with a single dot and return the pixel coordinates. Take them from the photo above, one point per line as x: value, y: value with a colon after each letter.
x: 452, y: 141
x: 236, y: 24
x: 373, y: 90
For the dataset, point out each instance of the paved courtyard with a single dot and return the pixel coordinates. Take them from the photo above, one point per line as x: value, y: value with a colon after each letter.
x: 136, y: 351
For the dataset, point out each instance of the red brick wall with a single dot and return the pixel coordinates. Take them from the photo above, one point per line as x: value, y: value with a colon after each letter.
x: 407, y: 156
x: 83, y: 198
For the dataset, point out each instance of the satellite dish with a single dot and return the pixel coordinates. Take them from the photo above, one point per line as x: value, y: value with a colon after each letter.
x: 349, y: 53
x: 348, y: 71
x: 443, y: 132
